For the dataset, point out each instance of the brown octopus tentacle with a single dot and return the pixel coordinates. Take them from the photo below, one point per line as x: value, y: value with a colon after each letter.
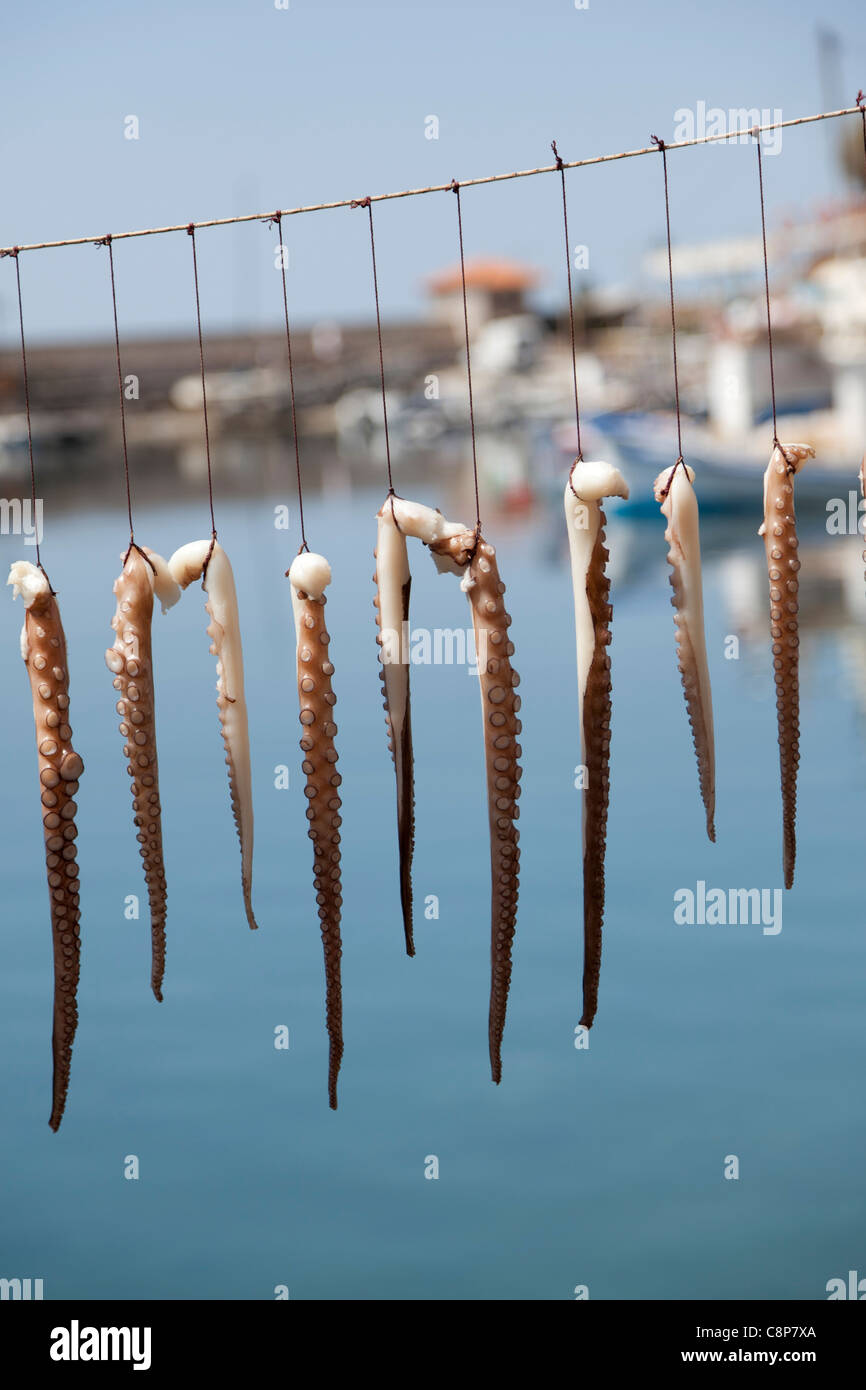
x: 43, y: 646
x: 675, y: 492
x: 780, y: 540
x: 596, y: 737
x: 131, y: 660
x: 500, y: 705
x: 317, y: 701
x: 396, y: 698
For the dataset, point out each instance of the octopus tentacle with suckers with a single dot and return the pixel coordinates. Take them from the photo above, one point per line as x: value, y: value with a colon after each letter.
x: 130, y: 660
x: 779, y: 530
x: 43, y: 647
x: 674, y: 491
x: 310, y: 574
x: 588, y: 484
x: 460, y: 550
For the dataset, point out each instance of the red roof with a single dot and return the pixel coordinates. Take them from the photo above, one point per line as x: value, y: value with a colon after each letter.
x: 485, y: 273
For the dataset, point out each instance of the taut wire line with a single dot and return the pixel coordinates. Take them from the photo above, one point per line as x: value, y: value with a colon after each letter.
x: 277, y: 219
x: 213, y: 531
x: 737, y: 134
x: 455, y: 188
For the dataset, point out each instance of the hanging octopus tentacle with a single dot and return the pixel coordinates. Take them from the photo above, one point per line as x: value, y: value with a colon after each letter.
x: 588, y: 483
x: 206, y: 560
x: 499, y: 706
x: 310, y: 574
x: 675, y: 492
x: 458, y: 550
x: 779, y: 529
x: 393, y: 583
x: 397, y: 519
x: 131, y: 661
x: 43, y: 647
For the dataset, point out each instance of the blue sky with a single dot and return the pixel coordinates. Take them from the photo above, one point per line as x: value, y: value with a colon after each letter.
x: 244, y: 106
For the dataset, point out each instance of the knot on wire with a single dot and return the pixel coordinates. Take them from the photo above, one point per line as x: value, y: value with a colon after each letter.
x: 476, y: 542
x: 860, y: 99
x: 361, y: 202
x: 391, y: 495
x: 658, y: 142
x: 578, y: 460
x: 557, y: 156
x: 134, y: 545
x: 104, y: 240
x: 302, y: 548
x: 454, y: 186
x: 190, y: 231
x: 208, y: 558
x: 275, y: 219
x: 669, y: 484
x: 10, y: 251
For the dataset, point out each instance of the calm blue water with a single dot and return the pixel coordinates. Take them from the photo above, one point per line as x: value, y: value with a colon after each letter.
x: 601, y: 1167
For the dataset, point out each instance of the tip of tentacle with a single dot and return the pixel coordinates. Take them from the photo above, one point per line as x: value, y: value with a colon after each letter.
x: 54, y: 1122
x: 408, y: 930
x: 248, y: 907
x: 157, y: 992
x: 789, y: 856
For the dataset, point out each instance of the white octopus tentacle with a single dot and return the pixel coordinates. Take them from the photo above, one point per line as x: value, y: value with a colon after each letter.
x: 393, y: 584
x: 43, y: 647
x: 131, y: 661
x: 206, y: 560
x: 588, y: 484
x: 310, y: 575
x: 779, y: 529
x: 674, y: 491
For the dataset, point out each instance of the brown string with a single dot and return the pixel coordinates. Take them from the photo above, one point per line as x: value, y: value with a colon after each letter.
x: 455, y: 188
x: 213, y: 531
x: 767, y: 289
x: 661, y: 146
x: 561, y: 167
x: 368, y: 204
x: 277, y: 219
x: 106, y: 241
x: 39, y: 565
